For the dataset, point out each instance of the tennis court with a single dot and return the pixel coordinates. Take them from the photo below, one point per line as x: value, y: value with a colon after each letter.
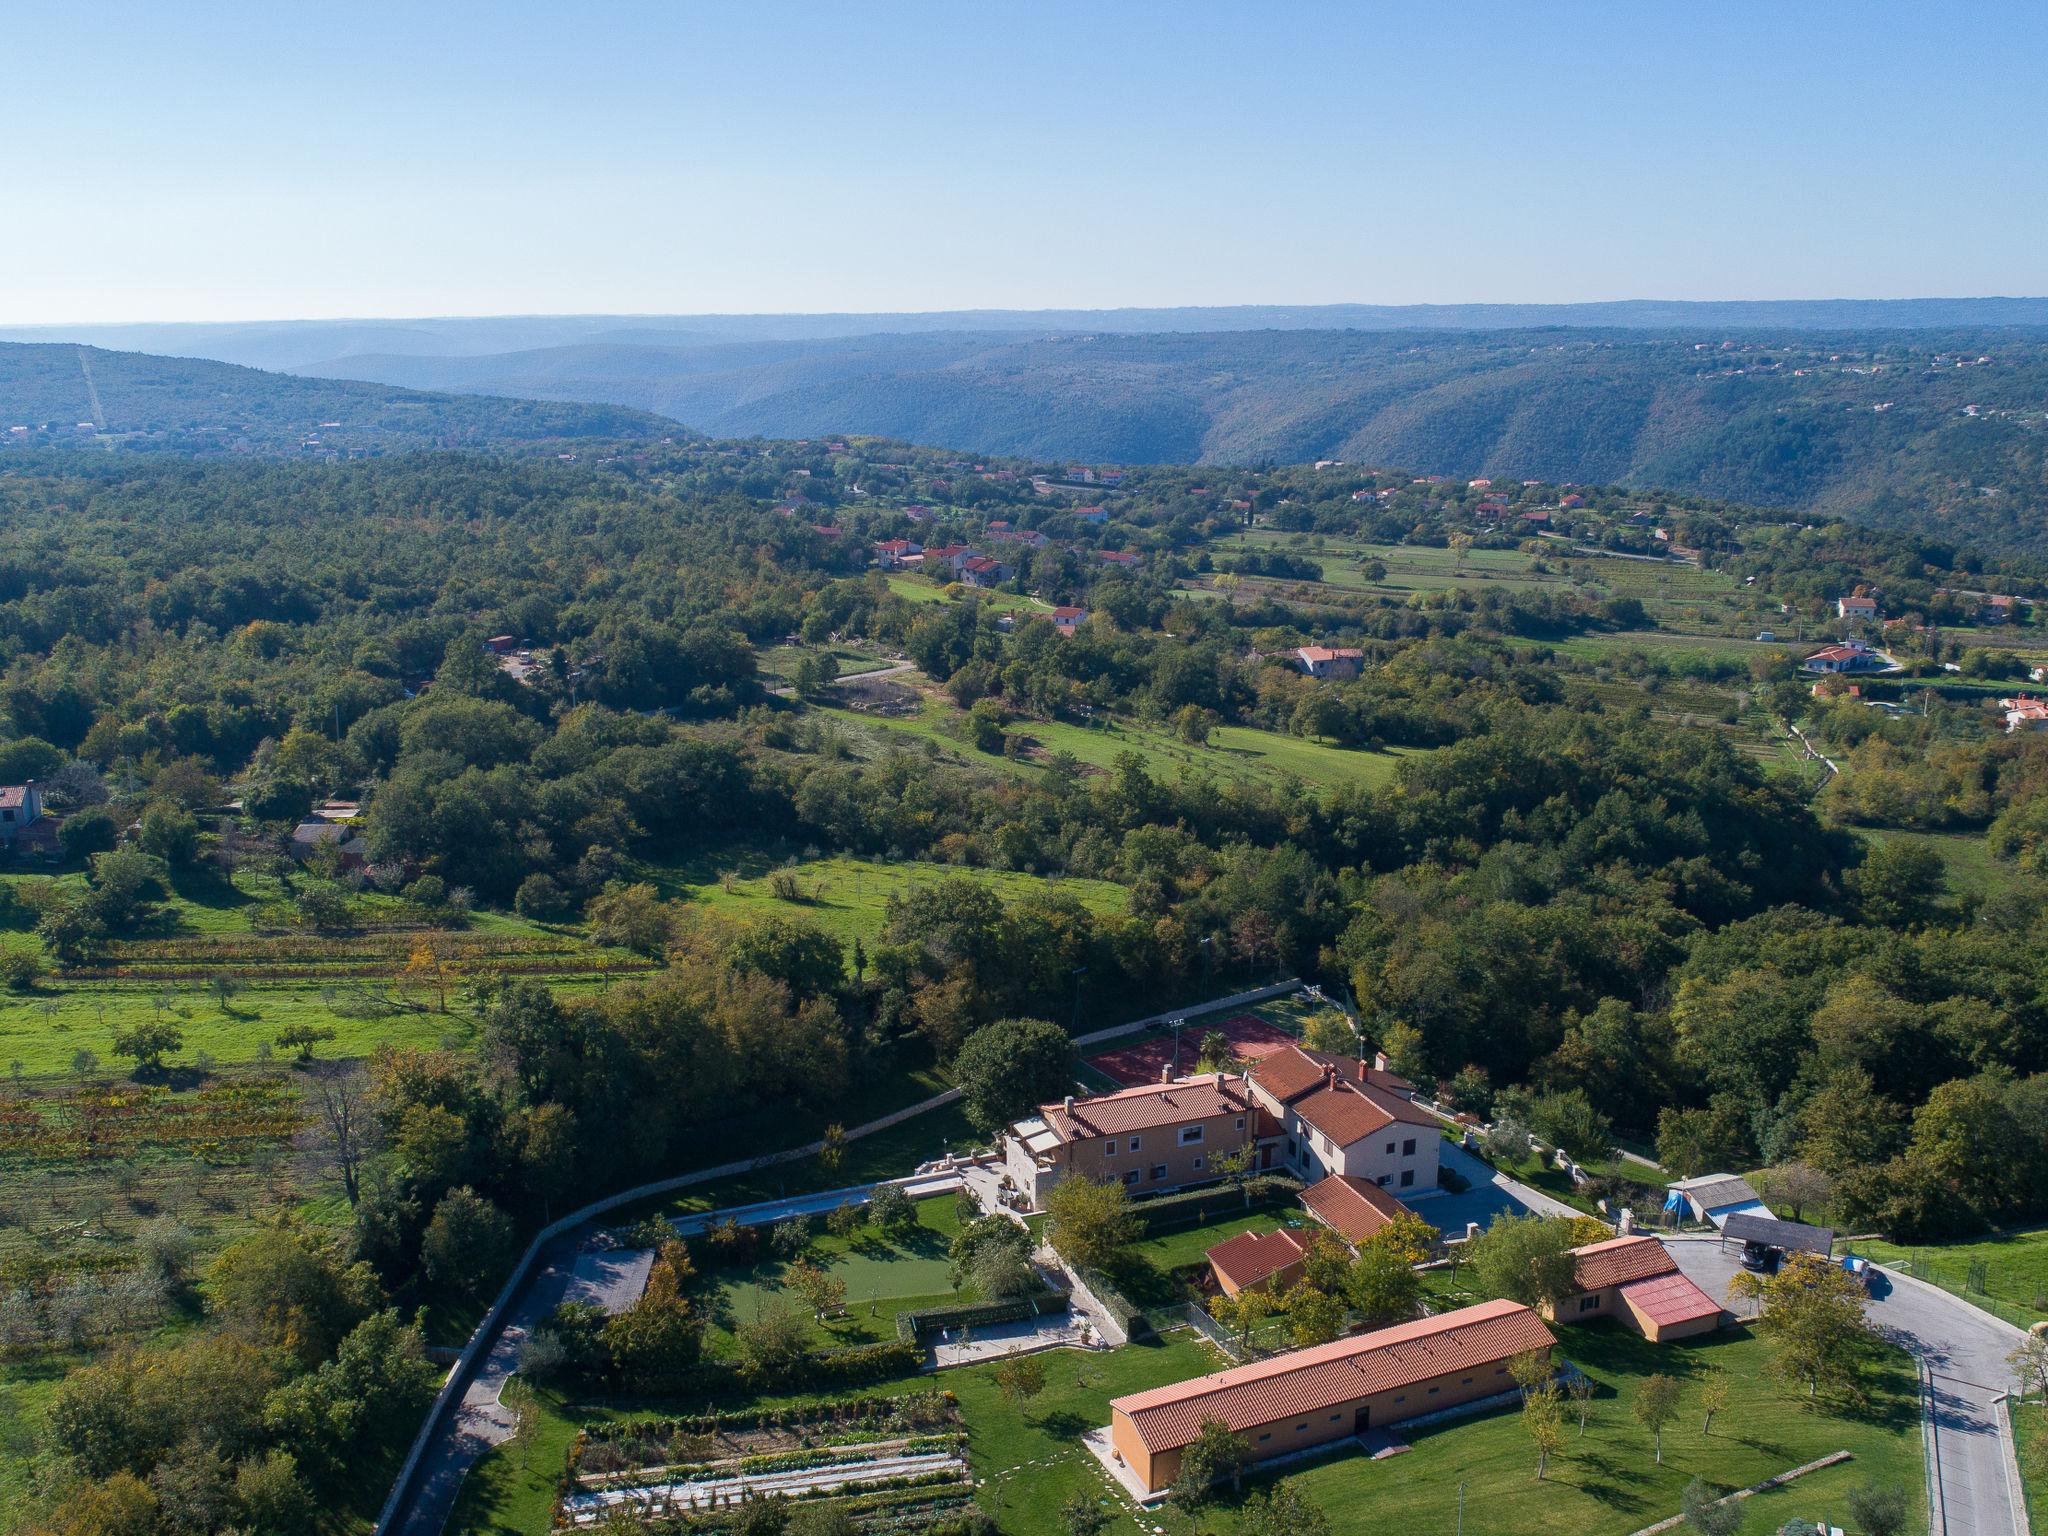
x: 1142, y: 1060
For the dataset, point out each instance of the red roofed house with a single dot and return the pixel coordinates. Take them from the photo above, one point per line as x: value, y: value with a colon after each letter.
x: 1116, y: 557
x: 1067, y: 619
x: 890, y: 553
x: 1849, y: 656
x: 1573, y: 500
x: 1329, y: 661
x: 983, y: 571
x: 1254, y: 1261
x: 1157, y: 1136
x: 1635, y: 1280
x: 1339, y: 1117
x: 2021, y: 714
x: 1330, y: 1392
x: 1856, y: 607
x: 1539, y: 518
x: 1092, y: 514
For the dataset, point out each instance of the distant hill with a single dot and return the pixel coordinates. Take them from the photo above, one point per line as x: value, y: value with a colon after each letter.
x: 192, y: 405
x: 302, y: 344
x: 1904, y: 429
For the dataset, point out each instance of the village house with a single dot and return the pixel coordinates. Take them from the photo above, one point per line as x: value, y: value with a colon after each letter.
x: 24, y: 830
x: 1334, y: 1116
x: 1155, y: 1137
x: 1537, y: 519
x: 1066, y: 619
x: 983, y: 571
x: 1635, y: 1280
x: 1845, y: 656
x: 1092, y: 514
x: 892, y: 553
x: 1116, y: 557
x: 1353, y: 1208
x: 1330, y: 1392
x: 2024, y: 714
x: 1855, y: 607
x: 1329, y: 661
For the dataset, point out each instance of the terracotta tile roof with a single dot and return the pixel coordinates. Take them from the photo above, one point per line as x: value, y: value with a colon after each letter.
x: 13, y: 796
x: 1348, y: 1112
x: 1312, y: 1380
x: 1148, y: 1106
x: 1352, y: 1208
x: 1251, y: 1258
x: 1287, y: 1073
x: 1619, y: 1260
x: 1668, y: 1299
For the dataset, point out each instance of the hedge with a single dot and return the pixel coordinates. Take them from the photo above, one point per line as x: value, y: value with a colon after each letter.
x: 915, y: 1327
x: 1191, y: 1207
x: 819, y: 1368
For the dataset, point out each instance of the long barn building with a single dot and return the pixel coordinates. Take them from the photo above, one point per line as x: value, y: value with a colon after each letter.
x: 1332, y: 1391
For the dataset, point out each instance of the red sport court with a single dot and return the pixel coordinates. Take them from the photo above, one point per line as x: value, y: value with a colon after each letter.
x: 1141, y: 1060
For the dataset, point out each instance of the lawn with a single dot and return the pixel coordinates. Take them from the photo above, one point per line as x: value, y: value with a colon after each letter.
x: 848, y: 897
x: 1972, y: 868
x: 1232, y: 752
x: 2015, y: 1276
x: 883, y: 1275
x: 2030, y: 1429
x: 1168, y: 1251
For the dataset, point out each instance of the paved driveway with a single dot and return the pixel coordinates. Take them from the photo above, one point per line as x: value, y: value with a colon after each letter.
x: 1491, y: 1195
x: 1964, y: 1351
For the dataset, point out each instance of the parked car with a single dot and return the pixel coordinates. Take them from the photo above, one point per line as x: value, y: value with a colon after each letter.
x: 1760, y: 1258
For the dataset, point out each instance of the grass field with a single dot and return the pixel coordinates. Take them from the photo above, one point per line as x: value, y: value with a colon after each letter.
x: 778, y: 663
x: 1028, y: 1461
x: 1973, y: 869
x: 848, y: 897
x: 883, y: 1275
x: 2030, y: 1430
x: 2015, y: 1270
x: 1232, y: 752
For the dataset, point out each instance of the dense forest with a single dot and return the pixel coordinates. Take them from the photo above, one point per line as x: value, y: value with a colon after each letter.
x: 1561, y: 902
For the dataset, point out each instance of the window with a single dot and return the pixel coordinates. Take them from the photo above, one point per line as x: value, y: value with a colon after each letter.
x: 1465, y: 1382
x: 1300, y: 1429
x: 1265, y: 1437
x: 1434, y: 1390
x: 1382, y: 1180
x: 1402, y: 1398
x: 1589, y: 1303
x: 1131, y: 1176
x: 1109, y: 1147
x: 1408, y: 1147
x: 1291, y: 1153
x: 1136, y: 1143
x: 1335, y: 1417
x: 1390, y: 1149
x: 1407, y: 1177
x: 1240, y: 1122
x: 1197, y: 1164
x: 1158, y: 1172
x: 1191, y: 1135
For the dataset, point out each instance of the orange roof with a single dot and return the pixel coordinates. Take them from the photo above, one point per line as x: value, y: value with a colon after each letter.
x: 1309, y: 1380
x: 1252, y: 1258
x: 1147, y: 1106
x: 1287, y: 1073
x: 1668, y: 1299
x: 1618, y: 1260
x: 1352, y: 1208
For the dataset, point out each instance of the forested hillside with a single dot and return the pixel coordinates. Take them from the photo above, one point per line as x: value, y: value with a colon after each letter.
x: 1909, y: 429
x: 61, y: 395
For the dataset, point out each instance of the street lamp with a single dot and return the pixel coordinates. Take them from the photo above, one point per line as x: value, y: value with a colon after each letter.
x: 1176, y: 1023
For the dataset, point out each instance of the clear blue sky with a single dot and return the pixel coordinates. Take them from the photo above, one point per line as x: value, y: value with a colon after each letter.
x: 226, y: 161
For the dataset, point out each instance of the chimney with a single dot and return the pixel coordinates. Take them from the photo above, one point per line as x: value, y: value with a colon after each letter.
x: 1166, y: 1072
x: 1068, y: 1105
x: 1379, y: 1061
x: 1329, y: 1074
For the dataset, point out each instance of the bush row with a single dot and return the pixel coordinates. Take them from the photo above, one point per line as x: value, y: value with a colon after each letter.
x: 1192, y: 1207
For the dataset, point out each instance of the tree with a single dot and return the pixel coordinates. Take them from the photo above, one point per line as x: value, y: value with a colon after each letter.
x: 1812, y: 1314
x: 832, y: 1147
x: 2029, y: 1362
x: 149, y: 1041
x: 1008, y: 1068
x: 169, y: 833
x: 1089, y: 1223
x: 1526, y: 1259
x: 1328, y: 1030
x: 1020, y: 1377
x: 1382, y: 1285
x: 1083, y: 1515
x: 1581, y: 1389
x: 1879, y: 1509
x: 772, y: 1347
x: 892, y: 1211
x: 1530, y: 1369
x: 1213, y: 1455
x: 1407, y: 1236
x: 630, y: 917
x: 301, y: 1038
x: 1313, y: 1317
x: 1655, y: 1405
x: 467, y: 1243
x: 993, y: 1254
x: 1543, y: 1418
x: 1244, y: 1312
x: 822, y: 1291
x: 88, y: 832
x: 289, y: 1289
x: 1281, y: 1510
x: 1707, y: 1513
x: 1714, y: 1387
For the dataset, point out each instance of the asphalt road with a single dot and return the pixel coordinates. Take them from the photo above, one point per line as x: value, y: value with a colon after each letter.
x: 1964, y: 1350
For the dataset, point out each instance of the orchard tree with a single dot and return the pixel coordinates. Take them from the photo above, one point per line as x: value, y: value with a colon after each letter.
x: 1655, y: 1405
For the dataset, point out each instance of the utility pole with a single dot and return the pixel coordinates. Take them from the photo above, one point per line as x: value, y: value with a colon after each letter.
x: 1461, y: 1509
